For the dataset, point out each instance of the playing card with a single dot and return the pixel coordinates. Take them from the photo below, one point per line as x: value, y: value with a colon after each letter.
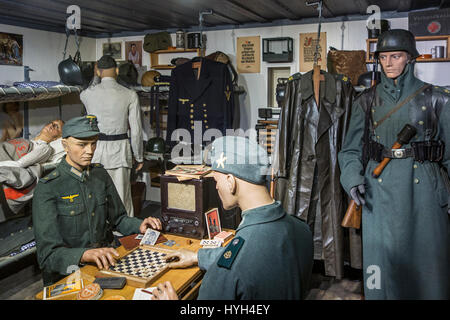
x: 150, y: 237
x: 139, y: 236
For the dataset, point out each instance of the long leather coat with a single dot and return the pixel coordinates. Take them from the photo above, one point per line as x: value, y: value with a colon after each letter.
x: 307, y: 145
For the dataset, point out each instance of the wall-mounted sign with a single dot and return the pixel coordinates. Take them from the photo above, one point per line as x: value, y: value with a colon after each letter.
x: 308, y: 43
x: 248, y: 54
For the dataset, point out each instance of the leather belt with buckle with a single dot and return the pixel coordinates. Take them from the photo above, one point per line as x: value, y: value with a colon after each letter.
x: 398, y: 153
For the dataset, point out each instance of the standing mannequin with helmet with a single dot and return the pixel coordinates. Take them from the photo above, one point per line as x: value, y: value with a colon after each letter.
x: 405, y: 221
x: 117, y: 110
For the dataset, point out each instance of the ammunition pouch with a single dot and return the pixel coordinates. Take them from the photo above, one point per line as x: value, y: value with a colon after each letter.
x: 421, y: 151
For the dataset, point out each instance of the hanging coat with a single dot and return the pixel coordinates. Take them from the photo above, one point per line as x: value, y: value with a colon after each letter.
x: 405, y: 225
x: 306, y: 160
x: 207, y: 101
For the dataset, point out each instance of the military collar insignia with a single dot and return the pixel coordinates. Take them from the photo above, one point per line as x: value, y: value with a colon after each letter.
x: 76, y: 172
x: 221, y: 161
x: 230, y: 253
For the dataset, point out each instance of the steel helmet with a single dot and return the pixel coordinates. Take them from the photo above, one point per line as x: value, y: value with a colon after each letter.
x: 397, y: 40
x: 148, y: 78
x: 70, y: 72
x: 155, y: 145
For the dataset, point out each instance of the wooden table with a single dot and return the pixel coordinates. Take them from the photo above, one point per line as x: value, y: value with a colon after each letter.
x: 185, y: 281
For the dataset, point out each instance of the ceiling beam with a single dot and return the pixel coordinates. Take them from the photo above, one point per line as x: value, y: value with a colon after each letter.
x: 244, y: 11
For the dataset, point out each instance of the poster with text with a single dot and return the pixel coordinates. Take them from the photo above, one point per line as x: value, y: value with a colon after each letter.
x: 248, y: 54
x: 308, y: 42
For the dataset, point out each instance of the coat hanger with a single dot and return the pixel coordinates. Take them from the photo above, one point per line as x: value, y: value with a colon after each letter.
x: 317, y: 76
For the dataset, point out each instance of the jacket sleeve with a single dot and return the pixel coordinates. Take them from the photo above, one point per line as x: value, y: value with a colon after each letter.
x: 350, y: 157
x: 52, y: 253
x: 40, y: 153
x: 444, y: 120
x: 172, y: 108
x: 135, y: 121
x: 117, y: 214
x: 206, y: 257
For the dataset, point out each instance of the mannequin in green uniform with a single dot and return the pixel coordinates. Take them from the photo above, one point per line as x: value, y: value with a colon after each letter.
x: 270, y: 256
x: 76, y: 207
x: 405, y: 221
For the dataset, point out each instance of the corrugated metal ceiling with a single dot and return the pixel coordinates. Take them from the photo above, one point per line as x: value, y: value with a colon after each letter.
x: 112, y: 17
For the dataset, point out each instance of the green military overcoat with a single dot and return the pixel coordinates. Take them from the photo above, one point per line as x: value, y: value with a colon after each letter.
x: 405, y: 225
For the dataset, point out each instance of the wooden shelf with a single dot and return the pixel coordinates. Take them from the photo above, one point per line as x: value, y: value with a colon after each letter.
x: 421, y: 38
x: 154, y: 57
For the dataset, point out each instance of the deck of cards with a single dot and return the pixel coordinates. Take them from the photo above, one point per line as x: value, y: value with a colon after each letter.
x: 209, y: 243
x: 150, y: 237
x: 223, y: 236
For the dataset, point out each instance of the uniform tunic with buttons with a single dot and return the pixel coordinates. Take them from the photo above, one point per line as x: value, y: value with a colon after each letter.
x: 274, y: 260
x: 75, y: 211
x: 405, y: 225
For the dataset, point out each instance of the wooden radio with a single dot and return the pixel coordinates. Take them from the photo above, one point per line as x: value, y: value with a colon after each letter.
x: 184, y: 203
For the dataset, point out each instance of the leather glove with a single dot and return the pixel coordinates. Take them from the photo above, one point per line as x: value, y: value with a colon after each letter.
x: 357, y: 194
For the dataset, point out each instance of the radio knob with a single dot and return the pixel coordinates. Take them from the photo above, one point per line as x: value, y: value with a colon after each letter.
x: 196, y: 223
x: 180, y: 229
x: 166, y: 218
x: 194, y: 231
x: 168, y: 228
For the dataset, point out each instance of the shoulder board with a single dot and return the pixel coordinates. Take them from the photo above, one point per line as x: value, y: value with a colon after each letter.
x: 52, y: 175
x: 295, y: 76
x: 342, y: 77
x: 96, y: 165
x: 230, y: 253
x: 441, y: 90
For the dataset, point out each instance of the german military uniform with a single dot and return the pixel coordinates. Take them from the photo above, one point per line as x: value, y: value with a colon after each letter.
x: 406, y: 244
x: 269, y: 244
x: 203, y: 103
x: 74, y: 211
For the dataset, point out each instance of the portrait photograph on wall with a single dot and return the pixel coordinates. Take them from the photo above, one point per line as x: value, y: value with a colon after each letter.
x: 133, y: 52
x: 11, y: 49
x: 113, y: 49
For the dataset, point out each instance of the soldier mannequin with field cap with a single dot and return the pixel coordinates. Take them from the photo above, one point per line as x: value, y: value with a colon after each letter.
x: 405, y: 214
x: 76, y: 207
x: 268, y: 244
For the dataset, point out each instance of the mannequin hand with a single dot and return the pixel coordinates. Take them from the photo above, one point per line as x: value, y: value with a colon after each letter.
x: 357, y: 194
x: 139, y: 166
x: 150, y: 222
x: 183, y: 258
x: 164, y: 291
x: 103, y: 257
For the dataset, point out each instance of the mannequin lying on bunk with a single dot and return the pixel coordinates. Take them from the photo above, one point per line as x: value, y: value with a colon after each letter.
x: 23, y: 162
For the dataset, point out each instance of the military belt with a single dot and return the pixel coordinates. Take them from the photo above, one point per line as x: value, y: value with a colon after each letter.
x: 421, y: 151
x: 112, y: 137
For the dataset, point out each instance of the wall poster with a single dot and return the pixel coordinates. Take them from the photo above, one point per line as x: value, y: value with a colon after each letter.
x: 11, y: 49
x: 308, y: 43
x: 248, y: 54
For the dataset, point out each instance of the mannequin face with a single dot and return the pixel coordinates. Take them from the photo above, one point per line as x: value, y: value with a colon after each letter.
x: 393, y: 63
x: 51, y: 131
x: 79, y: 151
x: 226, y: 187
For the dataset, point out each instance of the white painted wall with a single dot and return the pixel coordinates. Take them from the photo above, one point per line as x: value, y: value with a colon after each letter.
x: 42, y: 52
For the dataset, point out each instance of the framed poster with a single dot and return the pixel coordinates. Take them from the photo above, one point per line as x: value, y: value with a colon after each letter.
x: 308, y: 43
x: 11, y: 49
x: 248, y: 54
x: 113, y: 49
x: 133, y: 52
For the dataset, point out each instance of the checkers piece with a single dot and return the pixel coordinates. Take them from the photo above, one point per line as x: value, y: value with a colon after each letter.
x: 90, y: 292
